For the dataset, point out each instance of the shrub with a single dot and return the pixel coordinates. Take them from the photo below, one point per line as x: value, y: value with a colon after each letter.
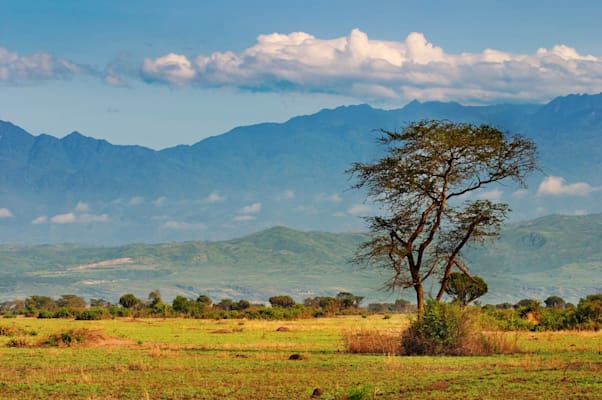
x: 72, y: 337
x: 93, y: 314
x: 447, y: 329
x: 65, y: 312
x: 18, y: 341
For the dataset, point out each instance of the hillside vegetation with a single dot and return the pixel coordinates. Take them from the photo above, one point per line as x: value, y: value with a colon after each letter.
x: 555, y: 255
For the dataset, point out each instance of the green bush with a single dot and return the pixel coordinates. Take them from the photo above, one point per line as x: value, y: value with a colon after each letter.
x: 93, y: 314
x: 448, y: 329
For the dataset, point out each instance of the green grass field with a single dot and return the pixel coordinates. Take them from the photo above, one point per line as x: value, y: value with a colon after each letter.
x: 233, y: 359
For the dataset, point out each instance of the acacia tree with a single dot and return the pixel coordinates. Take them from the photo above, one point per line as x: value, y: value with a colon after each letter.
x: 465, y: 289
x: 422, y: 185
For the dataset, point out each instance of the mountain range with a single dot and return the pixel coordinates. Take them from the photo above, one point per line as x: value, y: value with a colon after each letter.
x: 81, y: 189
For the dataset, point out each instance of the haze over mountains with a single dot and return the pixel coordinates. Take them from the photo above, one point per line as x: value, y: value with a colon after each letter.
x: 79, y: 189
x: 552, y: 255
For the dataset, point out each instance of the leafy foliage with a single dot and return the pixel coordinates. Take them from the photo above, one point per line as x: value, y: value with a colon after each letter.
x: 464, y: 289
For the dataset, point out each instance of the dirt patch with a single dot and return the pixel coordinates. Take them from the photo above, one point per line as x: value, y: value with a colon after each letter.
x: 222, y: 331
x: 438, y: 385
x: 84, y: 338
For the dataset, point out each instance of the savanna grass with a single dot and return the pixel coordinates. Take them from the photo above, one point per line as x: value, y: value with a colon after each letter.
x: 186, y: 359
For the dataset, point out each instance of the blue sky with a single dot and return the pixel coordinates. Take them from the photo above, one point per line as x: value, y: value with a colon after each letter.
x: 161, y: 73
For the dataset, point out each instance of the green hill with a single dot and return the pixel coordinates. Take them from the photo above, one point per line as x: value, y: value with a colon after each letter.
x: 554, y: 255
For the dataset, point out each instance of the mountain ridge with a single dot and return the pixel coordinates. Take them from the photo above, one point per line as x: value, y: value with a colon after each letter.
x: 293, y: 172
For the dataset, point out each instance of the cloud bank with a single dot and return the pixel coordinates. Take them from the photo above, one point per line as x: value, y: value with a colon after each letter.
x: 40, y: 66
x: 557, y: 186
x: 358, y: 66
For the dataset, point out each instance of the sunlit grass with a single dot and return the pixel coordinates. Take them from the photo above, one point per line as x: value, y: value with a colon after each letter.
x: 234, y: 359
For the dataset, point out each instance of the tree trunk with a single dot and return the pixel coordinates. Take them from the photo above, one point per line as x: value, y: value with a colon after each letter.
x: 419, y: 299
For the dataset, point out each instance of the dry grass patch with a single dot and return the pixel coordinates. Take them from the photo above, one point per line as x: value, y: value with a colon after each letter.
x: 372, y: 341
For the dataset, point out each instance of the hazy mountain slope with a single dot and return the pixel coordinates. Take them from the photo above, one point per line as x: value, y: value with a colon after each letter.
x: 555, y: 255
x: 86, y: 190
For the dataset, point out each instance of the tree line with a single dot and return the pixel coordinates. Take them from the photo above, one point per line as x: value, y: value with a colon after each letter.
x: 554, y: 313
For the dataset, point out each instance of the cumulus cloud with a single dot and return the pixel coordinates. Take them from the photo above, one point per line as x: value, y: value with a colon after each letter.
x: 5, y: 213
x: 79, y: 215
x: 67, y: 218
x: 251, y: 209
x: 356, y: 65
x: 15, y: 68
x: 214, y: 197
x: 557, y: 186
x: 359, y: 209
x: 40, y: 220
x: 493, y: 195
x: 172, y: 68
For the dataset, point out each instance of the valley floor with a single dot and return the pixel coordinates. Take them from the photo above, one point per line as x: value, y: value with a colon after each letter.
x: 232, y: 359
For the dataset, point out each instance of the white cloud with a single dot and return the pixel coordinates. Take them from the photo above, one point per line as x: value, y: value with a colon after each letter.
x: 172, y: 68
x: 5, y: 213
x: 286, y: 195
x: 16, y: 68
x: 82, y: 207
x: 67, y: 218
x: 40, y: 220
x: 136, y: 201
x: 214, y: 197
x: 333, y: 198
x: 556, y: 186
x: 520, y: 193
x: 74, y: 218
x: 251, y: 209
x: 160, y: 201
x: 243, y: 218
x: 493, y: 195
x: 359, y: 209
x: 358, y: 66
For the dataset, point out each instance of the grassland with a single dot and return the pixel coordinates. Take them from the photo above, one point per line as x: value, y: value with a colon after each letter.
x: 232, y: 359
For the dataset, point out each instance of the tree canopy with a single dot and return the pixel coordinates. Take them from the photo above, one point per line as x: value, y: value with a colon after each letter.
x: 423, y: 186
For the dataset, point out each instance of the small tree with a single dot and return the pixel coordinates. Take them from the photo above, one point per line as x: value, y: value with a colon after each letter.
x: 348, y: 300
x: 37, y: 303
x: 464, y: 289
x: 554, y: 302
x: 203, y: 299
x: 71, y: 301
x: 129, y: 300
x: 282, y: 301
x: 420, y: 183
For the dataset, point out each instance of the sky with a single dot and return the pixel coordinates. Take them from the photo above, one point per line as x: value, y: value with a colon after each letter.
x: 159, y: 74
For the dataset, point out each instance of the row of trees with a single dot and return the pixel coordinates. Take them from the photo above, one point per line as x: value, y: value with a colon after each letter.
x: 554, y: 313
x: 282, y: 306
